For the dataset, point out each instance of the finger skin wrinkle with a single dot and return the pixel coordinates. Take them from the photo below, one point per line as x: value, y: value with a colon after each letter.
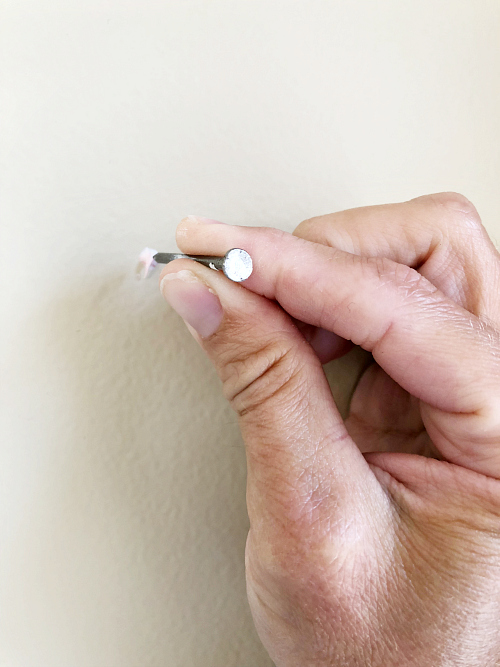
x: 417, y: 487
x: 410, y: 288
x: 259, y: 376
x: 445, y: 267
x: 407, y: 281
x: 308, y: 504
x: 289, y: 276
x: 452, y: 434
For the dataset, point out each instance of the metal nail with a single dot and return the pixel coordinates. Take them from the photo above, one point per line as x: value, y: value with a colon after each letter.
x: 236, y: 264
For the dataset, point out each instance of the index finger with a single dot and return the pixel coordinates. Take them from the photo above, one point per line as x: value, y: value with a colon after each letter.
x: 432, y: 347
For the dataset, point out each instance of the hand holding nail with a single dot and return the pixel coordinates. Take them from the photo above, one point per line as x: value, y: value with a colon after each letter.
x: 373, y: 541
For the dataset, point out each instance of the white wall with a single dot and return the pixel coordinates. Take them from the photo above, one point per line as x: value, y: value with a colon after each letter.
x: 122, y: 499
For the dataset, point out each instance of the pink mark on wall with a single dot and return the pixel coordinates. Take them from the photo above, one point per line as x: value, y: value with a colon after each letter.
x: 146, y: 263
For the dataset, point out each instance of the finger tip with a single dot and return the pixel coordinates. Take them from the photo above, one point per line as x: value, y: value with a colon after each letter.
x: 183, y: 229
x: 171, y: 267
x: 204, y: 237
x: 191, y: 223
x: 176, y: 266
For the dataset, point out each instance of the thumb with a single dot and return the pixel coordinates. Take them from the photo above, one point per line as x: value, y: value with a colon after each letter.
x: 306, y: 477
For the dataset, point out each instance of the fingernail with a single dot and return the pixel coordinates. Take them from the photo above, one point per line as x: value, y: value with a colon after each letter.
x: 193, y: 300
x: 203, y: 221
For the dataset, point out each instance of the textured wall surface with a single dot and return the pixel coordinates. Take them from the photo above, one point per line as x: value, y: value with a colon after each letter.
x: 122, y: 472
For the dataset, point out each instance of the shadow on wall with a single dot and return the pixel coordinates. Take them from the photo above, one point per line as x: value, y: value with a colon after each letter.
x: 135, y: 546
x: 142, y: 527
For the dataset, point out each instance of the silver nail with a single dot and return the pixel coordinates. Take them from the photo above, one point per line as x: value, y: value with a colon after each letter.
x: 236, y: 264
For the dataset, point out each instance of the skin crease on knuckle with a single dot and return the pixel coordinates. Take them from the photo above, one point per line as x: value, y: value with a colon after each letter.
x: 252, y: 379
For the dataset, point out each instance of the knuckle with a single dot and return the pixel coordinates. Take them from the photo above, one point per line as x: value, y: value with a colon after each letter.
x: 309, y: 229
x: 459, y: 211
x: 465, y: 260
x: 253, y: 377
x: 274, y: 235
x: 405, y: 280
x: 454, y: 201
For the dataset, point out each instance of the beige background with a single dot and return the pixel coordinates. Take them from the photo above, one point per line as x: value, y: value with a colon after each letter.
x: 122, y: 490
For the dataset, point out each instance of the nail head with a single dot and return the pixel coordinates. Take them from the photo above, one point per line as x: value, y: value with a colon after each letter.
x: 237, y: 265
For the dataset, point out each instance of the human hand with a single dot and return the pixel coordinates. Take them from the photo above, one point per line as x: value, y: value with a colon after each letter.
x: 362, y: 552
